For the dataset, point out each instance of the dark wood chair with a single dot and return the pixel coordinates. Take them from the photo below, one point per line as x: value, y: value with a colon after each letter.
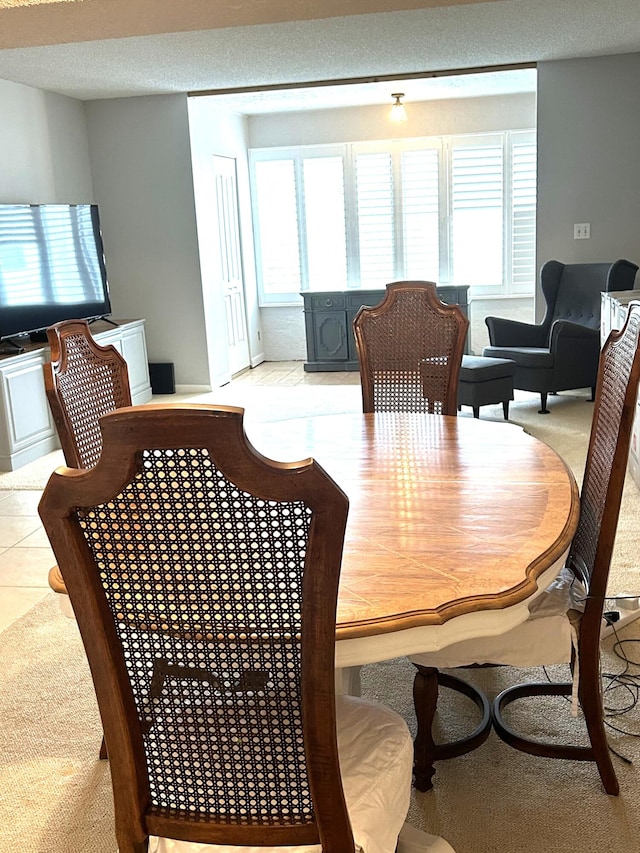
x: 83, y: 381
x: 184, y: 546
x: 565, y: 621
x: 410, y: 350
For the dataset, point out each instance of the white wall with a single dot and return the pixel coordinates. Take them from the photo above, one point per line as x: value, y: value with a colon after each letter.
x: 588, y: 144
x: 141, y: 162
x: 433, y: 118
x: 217, y: 132
x: 44, y: 156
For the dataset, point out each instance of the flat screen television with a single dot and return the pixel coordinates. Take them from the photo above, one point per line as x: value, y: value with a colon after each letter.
x: 51, y: 267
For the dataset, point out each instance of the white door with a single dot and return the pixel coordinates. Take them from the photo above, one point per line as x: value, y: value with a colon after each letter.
x: 231, y: 263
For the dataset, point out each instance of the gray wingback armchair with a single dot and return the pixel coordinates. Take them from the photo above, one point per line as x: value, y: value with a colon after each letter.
x: 562, y: 352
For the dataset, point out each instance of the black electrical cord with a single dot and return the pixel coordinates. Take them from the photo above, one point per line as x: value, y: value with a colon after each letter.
x: 625, y: 683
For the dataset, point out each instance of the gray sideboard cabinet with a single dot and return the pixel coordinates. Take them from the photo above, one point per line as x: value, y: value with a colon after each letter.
x: 328, y: 319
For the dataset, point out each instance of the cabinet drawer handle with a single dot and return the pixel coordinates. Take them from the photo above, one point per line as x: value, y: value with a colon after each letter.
x: 328, y: 303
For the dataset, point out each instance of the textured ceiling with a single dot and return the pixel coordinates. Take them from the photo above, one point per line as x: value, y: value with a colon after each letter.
x: 99, y: 48
x: 52, y: 21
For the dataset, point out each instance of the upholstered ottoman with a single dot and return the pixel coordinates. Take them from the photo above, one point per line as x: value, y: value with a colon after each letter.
x: 484, y: 381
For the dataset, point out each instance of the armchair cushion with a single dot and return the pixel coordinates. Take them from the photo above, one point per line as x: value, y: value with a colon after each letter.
x: 523, y: 356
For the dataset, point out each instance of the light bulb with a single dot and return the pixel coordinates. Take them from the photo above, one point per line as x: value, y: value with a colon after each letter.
x: 398, y: 111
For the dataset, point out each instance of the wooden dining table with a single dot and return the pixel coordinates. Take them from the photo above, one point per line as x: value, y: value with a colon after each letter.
x: 451, y: 519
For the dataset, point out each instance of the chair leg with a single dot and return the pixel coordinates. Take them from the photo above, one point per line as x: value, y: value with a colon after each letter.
x: 425, y: 697
x: 425, y: 700
x: 590, y: 695
x: 476, y: 411
x: 591, y: 702
x: 127, y: 845
x: 593, y: 394
x: 103, y: 750
x: 543, y: 408
x: 505, y: 409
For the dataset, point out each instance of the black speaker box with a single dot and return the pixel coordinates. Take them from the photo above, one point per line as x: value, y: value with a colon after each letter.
x: 162, y: 378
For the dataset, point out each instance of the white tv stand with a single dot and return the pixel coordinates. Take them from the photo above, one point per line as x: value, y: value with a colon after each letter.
x: 27, y: 430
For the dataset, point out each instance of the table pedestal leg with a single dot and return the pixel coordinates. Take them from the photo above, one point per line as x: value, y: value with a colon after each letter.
x: 348, y: 681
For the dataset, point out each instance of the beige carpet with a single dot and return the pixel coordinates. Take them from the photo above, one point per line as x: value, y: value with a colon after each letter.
x: 55, y: 794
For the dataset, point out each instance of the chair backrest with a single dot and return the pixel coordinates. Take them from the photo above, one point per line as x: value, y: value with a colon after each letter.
x: 205, y: 581
x: 410, y: 350
x: 83, y: 381
x: 606, y: 466
x: 572, y: 291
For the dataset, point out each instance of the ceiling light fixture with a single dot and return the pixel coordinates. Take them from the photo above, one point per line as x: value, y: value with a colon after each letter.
x: 398, y: 111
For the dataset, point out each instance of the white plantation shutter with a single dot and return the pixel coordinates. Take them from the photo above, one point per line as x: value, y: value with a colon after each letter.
x: 523, y: 215
x: 375, y: 210
x: 456, y: 210
x: 420, y: 214
x: 477, y: 213
x: 277, y: 238
x: 325, y: 226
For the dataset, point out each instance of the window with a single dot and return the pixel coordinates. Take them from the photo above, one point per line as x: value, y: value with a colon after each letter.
x: 324, y: 218
x: 455, y: 210
x: 375, y: 217
x: 420, y: 214
x: 477, y: 213
x: 523, y: 214
x: 277, y: 215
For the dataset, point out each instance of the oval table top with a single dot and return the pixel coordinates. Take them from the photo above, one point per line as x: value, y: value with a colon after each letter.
x: 448, y: 516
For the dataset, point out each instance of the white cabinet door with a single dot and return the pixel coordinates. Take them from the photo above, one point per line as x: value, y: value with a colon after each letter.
x: 230, y: 272
x: 134, y: 350
x: 129, y: 340
x: 28, y: 430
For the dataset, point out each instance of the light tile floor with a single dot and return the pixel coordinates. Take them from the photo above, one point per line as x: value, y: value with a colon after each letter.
x: 25, y: 554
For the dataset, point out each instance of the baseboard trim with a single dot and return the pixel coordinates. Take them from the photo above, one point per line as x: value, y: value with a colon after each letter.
x: 626, y: 616
x: 193, y: 389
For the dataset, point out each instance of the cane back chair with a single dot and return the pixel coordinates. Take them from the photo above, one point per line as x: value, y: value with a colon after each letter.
x: 205, y: 578
x: 565, y: 621
x: 410, y: 350
x: 83, y: 381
